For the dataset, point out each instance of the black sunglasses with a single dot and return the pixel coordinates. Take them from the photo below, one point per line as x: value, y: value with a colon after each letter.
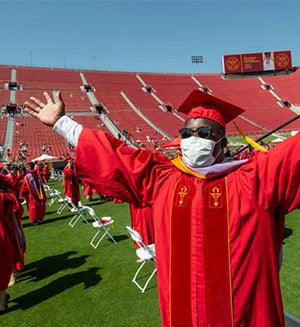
x: 202, y: 131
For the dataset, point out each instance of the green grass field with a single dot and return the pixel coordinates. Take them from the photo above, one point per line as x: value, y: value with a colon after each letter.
x: 66, y: 282
x: 290, y: 271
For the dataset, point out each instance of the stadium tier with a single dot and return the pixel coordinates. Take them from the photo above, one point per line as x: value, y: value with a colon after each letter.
x: 139, y: 108
x: 286, y: 85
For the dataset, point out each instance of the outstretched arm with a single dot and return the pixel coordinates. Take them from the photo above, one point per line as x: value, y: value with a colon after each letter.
x: 48, y: 113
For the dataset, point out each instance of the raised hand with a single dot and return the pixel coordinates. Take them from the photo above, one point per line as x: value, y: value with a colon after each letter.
x: 48, y: 113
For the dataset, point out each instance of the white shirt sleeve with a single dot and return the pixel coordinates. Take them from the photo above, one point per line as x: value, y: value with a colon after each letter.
x: 68, y: 129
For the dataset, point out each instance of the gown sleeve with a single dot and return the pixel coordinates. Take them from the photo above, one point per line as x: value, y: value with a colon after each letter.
x: 119, y: 171
x: 273, y: 178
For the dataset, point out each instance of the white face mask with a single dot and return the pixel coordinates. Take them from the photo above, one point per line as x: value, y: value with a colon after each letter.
x: 198, y: 152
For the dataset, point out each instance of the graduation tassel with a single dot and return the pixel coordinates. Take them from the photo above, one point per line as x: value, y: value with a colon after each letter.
x: 249, y: 140
x: 269, y: 133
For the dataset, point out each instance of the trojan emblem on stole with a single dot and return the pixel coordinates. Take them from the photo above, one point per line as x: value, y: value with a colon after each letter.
x: 215, y: 197
x: 181, y: 197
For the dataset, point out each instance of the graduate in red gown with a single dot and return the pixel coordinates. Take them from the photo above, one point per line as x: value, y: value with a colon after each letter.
x: 71, y: 183
x: 32, y: 190
x: 218, y: 225
x: 12, y: 239
x: 46, y: 173
x: 38, y: 168
x: 88, y: 191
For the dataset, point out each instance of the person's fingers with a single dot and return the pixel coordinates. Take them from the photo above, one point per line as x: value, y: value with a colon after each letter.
x: 31, y: 112
x: 48, y: 98
x: 31, y: 105
x: 34, y: 100
x: 58, y: 95
x: 59, y: 99
x: 35, y: 105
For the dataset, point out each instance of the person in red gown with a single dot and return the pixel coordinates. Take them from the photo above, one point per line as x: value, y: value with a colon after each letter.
x: 38, y: 167
x: 32, y: 190
x: 218, y: 225
x: 71, y: 184
x: 12, y: 239
x: 45, y: 173
x: 87, y: 191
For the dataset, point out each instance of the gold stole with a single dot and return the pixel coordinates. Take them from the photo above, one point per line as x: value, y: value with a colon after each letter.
x: 216, y: 266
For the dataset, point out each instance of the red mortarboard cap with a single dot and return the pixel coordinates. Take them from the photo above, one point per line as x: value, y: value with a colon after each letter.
x: 200, y: 104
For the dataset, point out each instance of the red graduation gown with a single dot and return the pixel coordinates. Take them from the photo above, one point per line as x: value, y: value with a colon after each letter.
x: 32, y: 190
x: 12, y: 239
x: 142, y: 222
x: 229, y: 273
x: 71, y: 186
x: 46, y: 173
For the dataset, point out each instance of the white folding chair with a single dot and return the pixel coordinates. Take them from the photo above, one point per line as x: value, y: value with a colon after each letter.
x: 79, y: 213
x: 145, y: 253
x: 55, y: 174
x: 103, y: 225
x: 52, y: 196
x: 47, y: 189
x: 63, y: 203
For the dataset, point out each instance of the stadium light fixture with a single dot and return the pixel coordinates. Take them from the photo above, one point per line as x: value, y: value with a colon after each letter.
x: 197, y: 60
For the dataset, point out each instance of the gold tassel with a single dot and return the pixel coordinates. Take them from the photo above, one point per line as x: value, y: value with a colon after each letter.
x: 249, y: 140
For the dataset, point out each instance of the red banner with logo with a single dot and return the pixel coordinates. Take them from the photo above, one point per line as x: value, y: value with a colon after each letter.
x: 257, y: 62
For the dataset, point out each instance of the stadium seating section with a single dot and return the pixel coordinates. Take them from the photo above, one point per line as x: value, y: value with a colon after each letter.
x: 138, y: 107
